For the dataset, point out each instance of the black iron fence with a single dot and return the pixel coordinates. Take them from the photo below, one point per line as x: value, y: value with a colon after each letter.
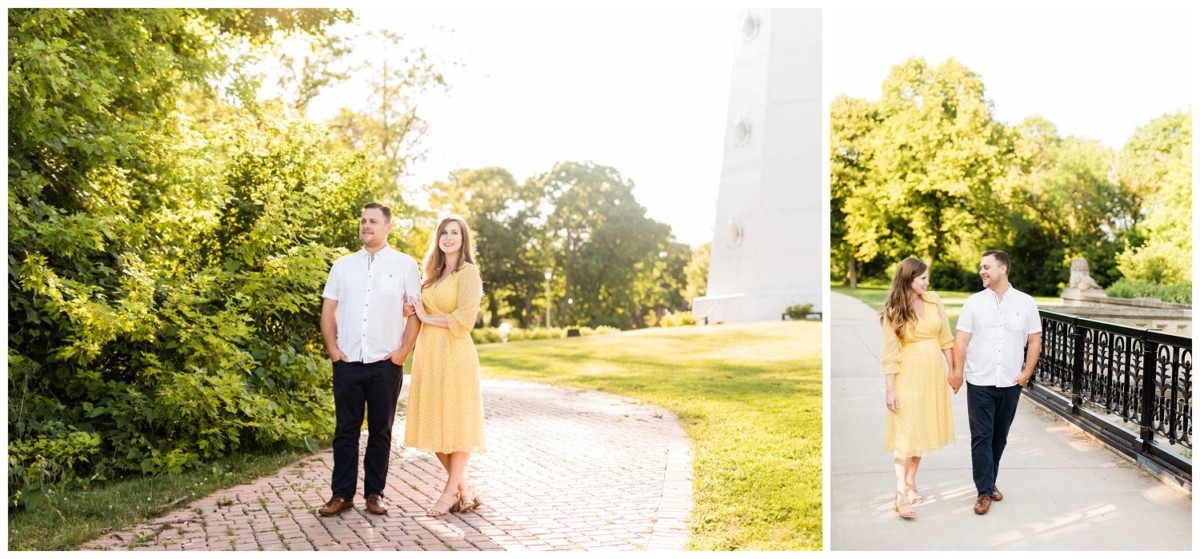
x: 1131, y: 388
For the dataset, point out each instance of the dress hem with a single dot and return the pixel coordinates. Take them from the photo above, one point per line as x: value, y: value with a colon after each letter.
x: 920, y: 451
x: 473, y: 450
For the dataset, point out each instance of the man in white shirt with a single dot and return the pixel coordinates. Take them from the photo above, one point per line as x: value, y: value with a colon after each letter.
x: 997, y: 346
x: 368, y: 339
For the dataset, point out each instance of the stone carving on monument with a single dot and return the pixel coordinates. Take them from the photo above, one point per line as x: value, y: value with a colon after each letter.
x: 1082, y: 286
x: 766, y: 250
x: 1084, y: 297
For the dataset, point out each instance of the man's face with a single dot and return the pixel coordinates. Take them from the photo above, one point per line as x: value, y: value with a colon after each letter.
x: 373, y: 229
x: 991, y: 271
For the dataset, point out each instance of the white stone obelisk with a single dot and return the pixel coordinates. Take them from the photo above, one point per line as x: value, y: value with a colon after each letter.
x: 766, y: 249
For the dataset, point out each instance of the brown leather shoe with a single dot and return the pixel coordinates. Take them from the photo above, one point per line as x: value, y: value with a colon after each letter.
x: 996, y: 494
x: 336, y: 505
x: 982, y: 504
x: 375, y: 504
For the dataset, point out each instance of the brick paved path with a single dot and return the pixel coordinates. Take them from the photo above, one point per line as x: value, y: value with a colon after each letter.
x: 565, y: 469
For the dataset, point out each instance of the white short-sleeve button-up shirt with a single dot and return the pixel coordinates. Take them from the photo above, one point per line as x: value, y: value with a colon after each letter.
x: 370, y: 294
x: 999, y: 330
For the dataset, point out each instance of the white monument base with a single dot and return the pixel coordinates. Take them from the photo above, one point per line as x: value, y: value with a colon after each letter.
x: 750, y: 307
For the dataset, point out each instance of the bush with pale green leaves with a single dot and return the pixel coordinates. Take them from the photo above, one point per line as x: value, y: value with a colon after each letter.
x: 1170, y: 293
x: 167, y: 250
x: 672, y: 319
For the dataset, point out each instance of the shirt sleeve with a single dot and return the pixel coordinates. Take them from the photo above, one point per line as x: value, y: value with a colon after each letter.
x: 470, y: 291
x: 333, y: 285
x: 945, y: 336
x: 412, y: 280
x: 1033, y: 320
x: 966, y: 318
x: 889, y: 359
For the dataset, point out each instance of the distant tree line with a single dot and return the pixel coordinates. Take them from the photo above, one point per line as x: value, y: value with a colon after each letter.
x: 609, y: 264
x: 928, y: 171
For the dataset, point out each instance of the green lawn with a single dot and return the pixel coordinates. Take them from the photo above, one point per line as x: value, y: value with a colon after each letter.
x: 953, y: 300
x: 749, y: 397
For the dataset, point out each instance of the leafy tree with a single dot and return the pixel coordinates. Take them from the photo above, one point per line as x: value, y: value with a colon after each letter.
x: 1063, y: 205
x: 661, y: 286
x: 850, y: 170
x: 601, y: 239
x: 164, y: 268
x: 937, y: 153
x: 324, y: 65
x: 927, y: 171
x: 1156, y: 164
x: 390, y: 127
x: 503, y: 215
x: 697, y: 272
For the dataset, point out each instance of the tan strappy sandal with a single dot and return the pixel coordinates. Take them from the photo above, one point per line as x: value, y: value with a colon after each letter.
x: 903, y: 507
x: 468, y: 505
x: 443, y: 507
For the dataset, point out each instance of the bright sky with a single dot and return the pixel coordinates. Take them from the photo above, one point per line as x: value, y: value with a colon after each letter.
x: 641, y: 89
x: 1095, y: 70
x: 644, y: 88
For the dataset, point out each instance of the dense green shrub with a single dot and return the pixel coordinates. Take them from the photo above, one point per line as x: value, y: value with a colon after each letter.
x: 681, y: 318
x: 799, y: 312
x: 1171, y: 293
x: 164, y: 271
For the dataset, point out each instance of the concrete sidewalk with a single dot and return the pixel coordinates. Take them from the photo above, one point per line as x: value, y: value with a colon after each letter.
x: 1063, y: 490
x: 566, y: 470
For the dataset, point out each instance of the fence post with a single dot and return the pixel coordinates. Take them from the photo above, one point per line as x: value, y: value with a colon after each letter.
x: 1077, y: 337
x: 1149, y: 384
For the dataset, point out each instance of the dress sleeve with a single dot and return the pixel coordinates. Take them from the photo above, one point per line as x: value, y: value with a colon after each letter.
x: 945, y: 335
x: 470, y: 291
x: 889, y: 359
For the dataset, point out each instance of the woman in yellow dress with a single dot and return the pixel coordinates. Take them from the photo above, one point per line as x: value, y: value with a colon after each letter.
x: 917, y: 346
x: 445, y: 405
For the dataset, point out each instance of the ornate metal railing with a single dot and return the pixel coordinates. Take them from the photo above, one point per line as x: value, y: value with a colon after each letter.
x: 1131, y: 388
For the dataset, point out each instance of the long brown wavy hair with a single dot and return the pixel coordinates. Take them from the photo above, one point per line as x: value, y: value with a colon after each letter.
x: 898, y: 310
x: 435, y: 259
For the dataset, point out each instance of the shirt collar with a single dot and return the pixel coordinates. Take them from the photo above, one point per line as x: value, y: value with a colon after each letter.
x: 386, y: 248
x: 1007, y: 293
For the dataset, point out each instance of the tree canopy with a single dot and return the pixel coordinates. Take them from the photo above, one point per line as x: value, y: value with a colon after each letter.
x: 928, y: 171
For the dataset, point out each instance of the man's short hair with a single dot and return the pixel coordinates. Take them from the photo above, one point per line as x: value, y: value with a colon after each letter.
x: 1001, y: 257
x: 387, y: 212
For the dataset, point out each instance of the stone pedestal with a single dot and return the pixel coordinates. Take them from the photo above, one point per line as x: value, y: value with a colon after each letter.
x: 1072, y: 294
x: 766, y: 250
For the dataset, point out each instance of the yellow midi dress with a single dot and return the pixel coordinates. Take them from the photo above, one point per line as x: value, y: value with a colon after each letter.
x: 445, y: 405
x: 924, y: 422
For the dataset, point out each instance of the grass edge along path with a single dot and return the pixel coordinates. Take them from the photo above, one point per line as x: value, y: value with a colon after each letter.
x: 118, y: 504
x: 875, y: 296
x: 748, y: 396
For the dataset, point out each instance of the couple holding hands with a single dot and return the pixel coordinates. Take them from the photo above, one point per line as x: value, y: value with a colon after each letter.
x: 994, y: 350
x: 376, y: 310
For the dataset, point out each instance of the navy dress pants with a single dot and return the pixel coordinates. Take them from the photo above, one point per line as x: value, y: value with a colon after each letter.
x: 991, y: 411
x: 375, y: 387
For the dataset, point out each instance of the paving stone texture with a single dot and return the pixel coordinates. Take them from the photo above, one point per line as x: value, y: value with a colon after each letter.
x: 565, y: 470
